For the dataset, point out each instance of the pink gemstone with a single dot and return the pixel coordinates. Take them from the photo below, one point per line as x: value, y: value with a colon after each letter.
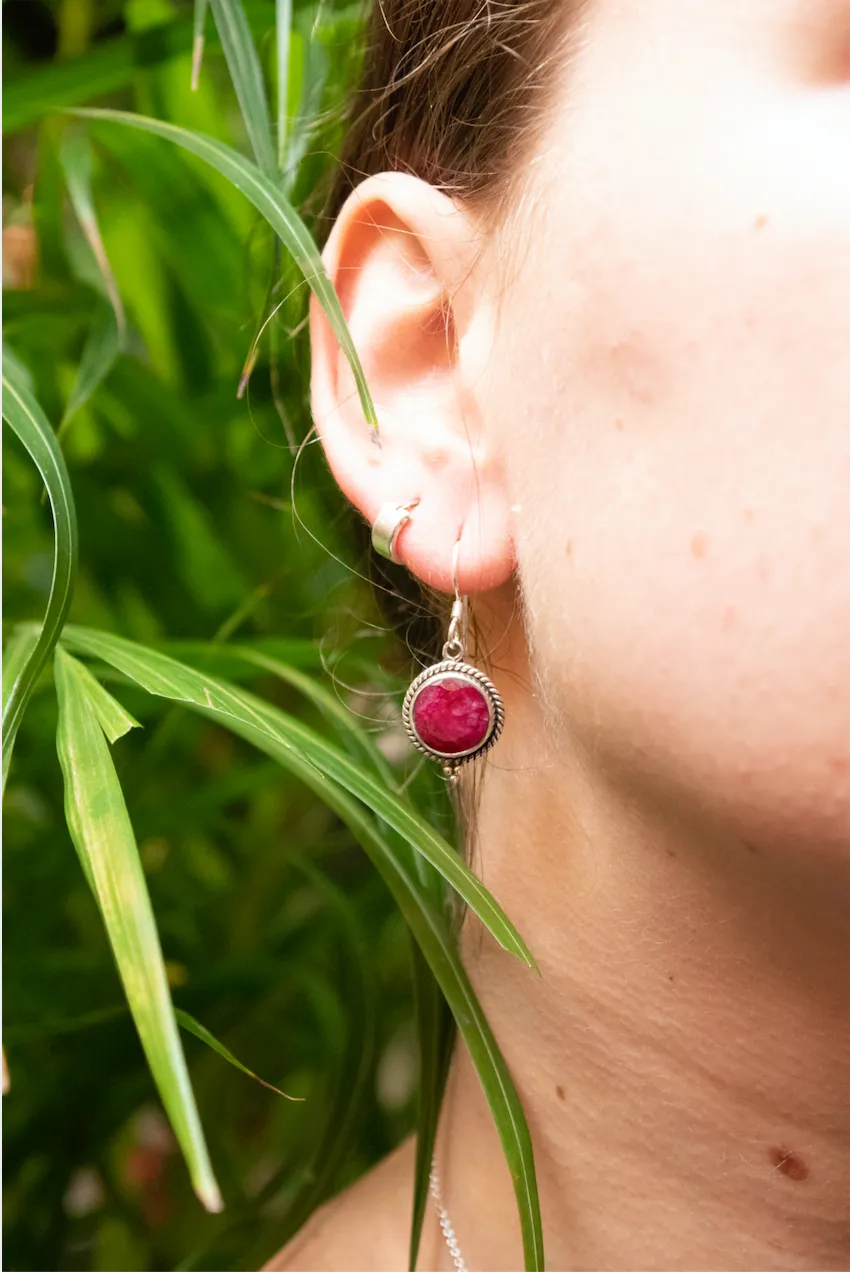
x: 451, y: 715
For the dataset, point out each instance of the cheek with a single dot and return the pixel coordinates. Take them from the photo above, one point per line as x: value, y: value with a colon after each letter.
x: 683, y: 467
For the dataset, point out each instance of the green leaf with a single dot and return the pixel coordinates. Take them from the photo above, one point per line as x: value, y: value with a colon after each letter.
x: 325, y: 771
x: 435, y: 1034
x: 114, y: 719
x: 204, y: 562
x: 432, y: 935
x: 200, y: 18
x: 103, y: 836
x: 26, y: 417
x: 109, y: 66
x: 108, y: 331
x: 304, y: 654
x: 102, y: 347
x: 333, y: 1128
x: 51, y: 1028
x: 12, y: 363
x: 16, y: 655
x: 438, y: 948
x: 281, y: 216
x: 301, y: 749
x: 327, y: 702
x: 344, y: 1108
x: 315, y: 74
x: 76, y: 159
x: 195, y: 1027
x: 247, y: 76
x: 283, y: 27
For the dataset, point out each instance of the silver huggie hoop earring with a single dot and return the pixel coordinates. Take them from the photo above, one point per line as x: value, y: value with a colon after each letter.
x: 453, y: 712
x: 389, y: 524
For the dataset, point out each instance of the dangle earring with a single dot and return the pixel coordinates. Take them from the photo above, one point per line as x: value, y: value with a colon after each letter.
x: 453, y: 712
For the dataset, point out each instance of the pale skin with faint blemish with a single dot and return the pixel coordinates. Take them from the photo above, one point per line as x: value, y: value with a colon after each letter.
x: 667, y: 815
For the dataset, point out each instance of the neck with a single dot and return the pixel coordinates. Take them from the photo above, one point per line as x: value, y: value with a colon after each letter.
x: 683, y: 1059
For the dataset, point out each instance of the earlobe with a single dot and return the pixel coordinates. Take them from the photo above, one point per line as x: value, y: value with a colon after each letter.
x: 401, y: 257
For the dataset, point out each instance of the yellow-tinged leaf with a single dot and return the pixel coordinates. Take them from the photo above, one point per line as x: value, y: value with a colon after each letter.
x: 103, y: 836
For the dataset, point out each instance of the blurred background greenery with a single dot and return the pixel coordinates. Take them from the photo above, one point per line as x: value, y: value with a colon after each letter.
x: 278, y: 934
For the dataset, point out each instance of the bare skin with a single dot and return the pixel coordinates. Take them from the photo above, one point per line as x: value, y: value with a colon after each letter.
x: 683, y: 1058
x: 367, y: 1227
x: 642, y: 437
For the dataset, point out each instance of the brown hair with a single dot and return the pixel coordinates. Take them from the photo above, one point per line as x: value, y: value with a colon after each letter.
x: 454, y: 91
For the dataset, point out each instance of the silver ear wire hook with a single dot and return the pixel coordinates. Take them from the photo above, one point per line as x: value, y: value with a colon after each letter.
x: 455, y: 561
x: 453, y: 648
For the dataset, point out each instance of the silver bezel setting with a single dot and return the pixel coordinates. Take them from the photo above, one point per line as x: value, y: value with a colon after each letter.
x: 440, y: 671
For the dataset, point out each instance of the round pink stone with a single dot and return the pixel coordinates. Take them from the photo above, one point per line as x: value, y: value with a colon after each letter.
x: 451, y: 715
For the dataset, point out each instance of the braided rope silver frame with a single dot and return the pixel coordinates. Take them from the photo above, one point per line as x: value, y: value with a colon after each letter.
x: 455, y: 667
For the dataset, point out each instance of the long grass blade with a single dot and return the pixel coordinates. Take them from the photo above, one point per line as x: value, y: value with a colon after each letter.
x: 214, y: 656
x: 16, y: 654
x: 439, y: 949
x: 296, y: 749
x: 341, y: 1110
x: 108, y: 66
x: 76, y: 159
x: 315, y: 74
x: 344, y: 1109
x: 283, y: 27
x: 247, y: 77
x: 108, y: 331
x: 103, y: 836
x: 361, y: 744
x: 281, y: 216
x: 103, y: 345
x: 26, y: 417
x: 434, y: 1034
x: 239, y: 710
x: 198, y: 25
x: 193, y: 1026
x: 432, y: 935
x: 12, y: 364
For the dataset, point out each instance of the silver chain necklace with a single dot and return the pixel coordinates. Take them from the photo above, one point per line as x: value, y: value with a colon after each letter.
x: 445, y: 1221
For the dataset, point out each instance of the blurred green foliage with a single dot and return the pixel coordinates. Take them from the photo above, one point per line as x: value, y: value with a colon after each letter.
x: 216, y: 582
x: 196, y: 525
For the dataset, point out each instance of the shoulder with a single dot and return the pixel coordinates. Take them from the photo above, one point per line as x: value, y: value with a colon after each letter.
x: 364, y: 1229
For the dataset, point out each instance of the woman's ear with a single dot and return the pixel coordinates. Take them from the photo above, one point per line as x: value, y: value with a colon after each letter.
x: 401, y: 256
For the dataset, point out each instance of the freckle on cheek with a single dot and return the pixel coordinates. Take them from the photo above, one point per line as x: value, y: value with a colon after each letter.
x: 569, y: 548
x: 699, y: 543
x: 729, y: 617
x: 761, y: 221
